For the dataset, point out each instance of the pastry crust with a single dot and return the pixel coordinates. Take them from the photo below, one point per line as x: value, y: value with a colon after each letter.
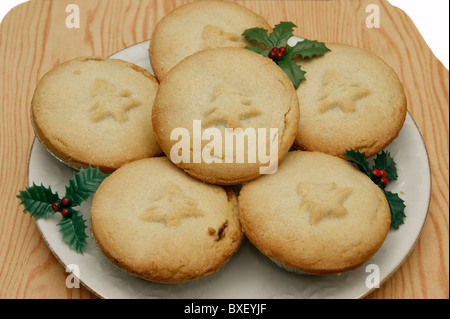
x: 351, y: 99
x: 154, y: 221
x: 318, y: 214
x: 226, y: 88
x: 96, y: 111
x: 199, y: 25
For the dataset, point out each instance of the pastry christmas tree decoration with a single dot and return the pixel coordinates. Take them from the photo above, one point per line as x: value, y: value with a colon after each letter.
x: 381, y: 173
x: 281, y: 53
x: 42, y: 202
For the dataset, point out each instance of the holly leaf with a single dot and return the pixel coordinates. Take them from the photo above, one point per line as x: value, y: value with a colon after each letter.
x: 38, y: 200
x: 279, y: 37
x: 293, y: 71
x: 84, y: 184
x: 258, y: 35
x: 74, y: 231
x: 359, y: 159
x: 397, y: 208
x: 307, y: 49
x: 282, y: 32
x: 386, y: 162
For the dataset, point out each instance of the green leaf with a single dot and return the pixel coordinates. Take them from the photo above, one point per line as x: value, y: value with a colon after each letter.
x: 307, y: 49
x: 84, y: 184
x: 259, y: 51
x: 281, y: 34
x: 397, y: 208
x: 359, y: 159
x: 74, y: 232
x: 38, y: 201
x: 386, y: 162
x: 279, y: 37
x: 293, y: 71
x: 259, y: 35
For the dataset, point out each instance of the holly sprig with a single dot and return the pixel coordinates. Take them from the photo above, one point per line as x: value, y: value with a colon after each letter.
x: 381, y: 173
x: 42, y: 202
x: 276, y: 47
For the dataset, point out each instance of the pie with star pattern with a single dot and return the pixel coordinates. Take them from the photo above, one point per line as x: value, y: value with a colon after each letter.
x: 199, y: 25
x: 96, y: 111
x: 230, y: 92
x: 318, y: 214
x: 151, y: 219
x: 351, y: 99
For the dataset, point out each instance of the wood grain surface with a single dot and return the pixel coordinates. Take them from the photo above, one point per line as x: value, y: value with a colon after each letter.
x: 34, y: 38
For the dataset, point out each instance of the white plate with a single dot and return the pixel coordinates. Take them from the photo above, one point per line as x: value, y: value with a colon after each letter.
x: 248, y: 274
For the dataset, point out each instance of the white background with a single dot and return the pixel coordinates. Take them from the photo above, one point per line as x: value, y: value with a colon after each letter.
x: 430, y: 16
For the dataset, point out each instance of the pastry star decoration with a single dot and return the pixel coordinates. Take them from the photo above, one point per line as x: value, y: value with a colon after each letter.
x: 110, y: 101
x: 322, y: 200
x: 215, y: 37
x: 229, y: 107
x: 340, y: 91
x: 170, y: 207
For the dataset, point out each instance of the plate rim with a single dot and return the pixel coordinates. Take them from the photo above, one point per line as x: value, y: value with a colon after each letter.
x: 424, y: 219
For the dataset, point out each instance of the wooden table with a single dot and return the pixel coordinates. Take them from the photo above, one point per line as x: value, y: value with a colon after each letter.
x: 34, y: 38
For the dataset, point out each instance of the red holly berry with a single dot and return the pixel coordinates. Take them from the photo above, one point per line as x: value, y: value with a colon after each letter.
x: 55, y: 207
x: 272, y: 54
x: 376, y: 172
x: 67, y: 201
x: 385, y: 181
x: 383, y: 173
x: 64, y: 212
x: 277, y: 53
